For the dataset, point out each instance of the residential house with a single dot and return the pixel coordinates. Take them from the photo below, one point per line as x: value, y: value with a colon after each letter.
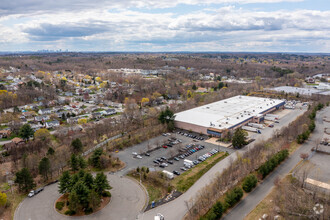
x: 29, y: 114
x: 5, y: 133
x: 15, y: 142
x: 309, y: 79
x: 36, y: 127
x: 42, y: 118
x: 97, y: 115
x: 108, y: 112
x: 201, y: 90
x: 44, y: 111
x: 52, y: 124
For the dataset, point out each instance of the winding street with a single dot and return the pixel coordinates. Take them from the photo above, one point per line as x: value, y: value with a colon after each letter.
x: 255, y: 197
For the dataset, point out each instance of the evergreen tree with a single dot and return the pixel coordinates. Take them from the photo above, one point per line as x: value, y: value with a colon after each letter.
x: 74, y: 204
x: 24, y: 180
x: 44, y: 167
x: 77, y: 145
x: 26, y: 131
x: 89, y: 180
x: 65, y: 182
x: 63, y: 117
x: 50, y: 151
x: 82, y: 162
x: 94, y: 199
x: 239, y: 138
x: 217, y: 210
x: 101, y: 183
x: 74, y: 163
x: 95, y: 159
x: 82, y: 192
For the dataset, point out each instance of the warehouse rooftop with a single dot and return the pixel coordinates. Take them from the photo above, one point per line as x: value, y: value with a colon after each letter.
x: 228, y: 112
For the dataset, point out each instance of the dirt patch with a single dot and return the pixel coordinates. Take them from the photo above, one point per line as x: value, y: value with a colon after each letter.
x: 216, y: 142
x: 64, y: 198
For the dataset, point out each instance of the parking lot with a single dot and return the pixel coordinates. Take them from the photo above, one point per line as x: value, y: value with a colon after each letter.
x: 182, y: 141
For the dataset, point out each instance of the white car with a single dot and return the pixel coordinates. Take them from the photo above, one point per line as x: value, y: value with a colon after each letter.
x: 138, y: 157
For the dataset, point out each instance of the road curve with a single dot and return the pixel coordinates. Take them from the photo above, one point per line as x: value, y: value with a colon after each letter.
x: 128, y: 199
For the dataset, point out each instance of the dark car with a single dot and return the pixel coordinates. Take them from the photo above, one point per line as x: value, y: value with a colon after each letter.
x: 156, y: 161
x: 177, y: 159
x: 170, y: 161
x: 163, y: 158
x: 147, y: 154
x: 176, y: 172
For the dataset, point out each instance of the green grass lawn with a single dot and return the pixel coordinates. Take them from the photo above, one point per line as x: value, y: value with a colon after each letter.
x: 183, y: 182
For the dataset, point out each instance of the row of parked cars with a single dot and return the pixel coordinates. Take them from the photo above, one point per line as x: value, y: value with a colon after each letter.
x: 191, y: 149
x: 191, y: 136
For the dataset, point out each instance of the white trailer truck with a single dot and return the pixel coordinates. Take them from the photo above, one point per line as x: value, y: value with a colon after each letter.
x: 255, y: 125
x: 168, y: 174
x: 247, y: 128
x: 271, y: 115
x: 269, y: 118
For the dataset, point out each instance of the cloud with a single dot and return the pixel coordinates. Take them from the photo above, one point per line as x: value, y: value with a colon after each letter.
x: 51, y: 32
x: 8, y: 7
x: 87, y: 27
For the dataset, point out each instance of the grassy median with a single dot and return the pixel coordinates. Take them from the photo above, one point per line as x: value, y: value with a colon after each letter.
x: 183, y: 182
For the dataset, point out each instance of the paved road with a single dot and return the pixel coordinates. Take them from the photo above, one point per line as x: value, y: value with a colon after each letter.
x: 255, y: 197
x: 127, y: 200
x: 176, y: 209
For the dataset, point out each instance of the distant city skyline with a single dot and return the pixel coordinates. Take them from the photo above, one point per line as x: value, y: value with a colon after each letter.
x: 166, y: 26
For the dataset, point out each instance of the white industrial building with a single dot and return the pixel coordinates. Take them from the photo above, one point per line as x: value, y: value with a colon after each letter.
x: 226, y: 115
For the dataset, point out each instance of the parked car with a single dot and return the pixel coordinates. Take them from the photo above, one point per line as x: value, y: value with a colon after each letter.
x: 147, y: 154
x: 176, y: 172
x: 164, y: 146
x: 138, y: 156
x: 170, y: 161
x: 271, y: 125
x: 183, y: 169
x: 177, y: 159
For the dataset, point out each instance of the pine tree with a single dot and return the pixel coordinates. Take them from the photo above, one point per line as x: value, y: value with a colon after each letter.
x: 65, y: 182
x: 26, y: 131
x: 77, y: 145
x: 24, y: 180
x: 74, y: 163
x: 101, y: 183
x: 44, y: 167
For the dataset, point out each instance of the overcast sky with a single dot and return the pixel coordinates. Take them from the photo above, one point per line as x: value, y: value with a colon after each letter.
x: 165, y: 25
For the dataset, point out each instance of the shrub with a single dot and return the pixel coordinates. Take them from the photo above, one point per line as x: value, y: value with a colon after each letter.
x: 88, y: 210
x: 106, y: 194
x: 70, y: 212
x: 270, y: 165
x: 233, y: 197
x: 59, y: 205
x: 249, y: 183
